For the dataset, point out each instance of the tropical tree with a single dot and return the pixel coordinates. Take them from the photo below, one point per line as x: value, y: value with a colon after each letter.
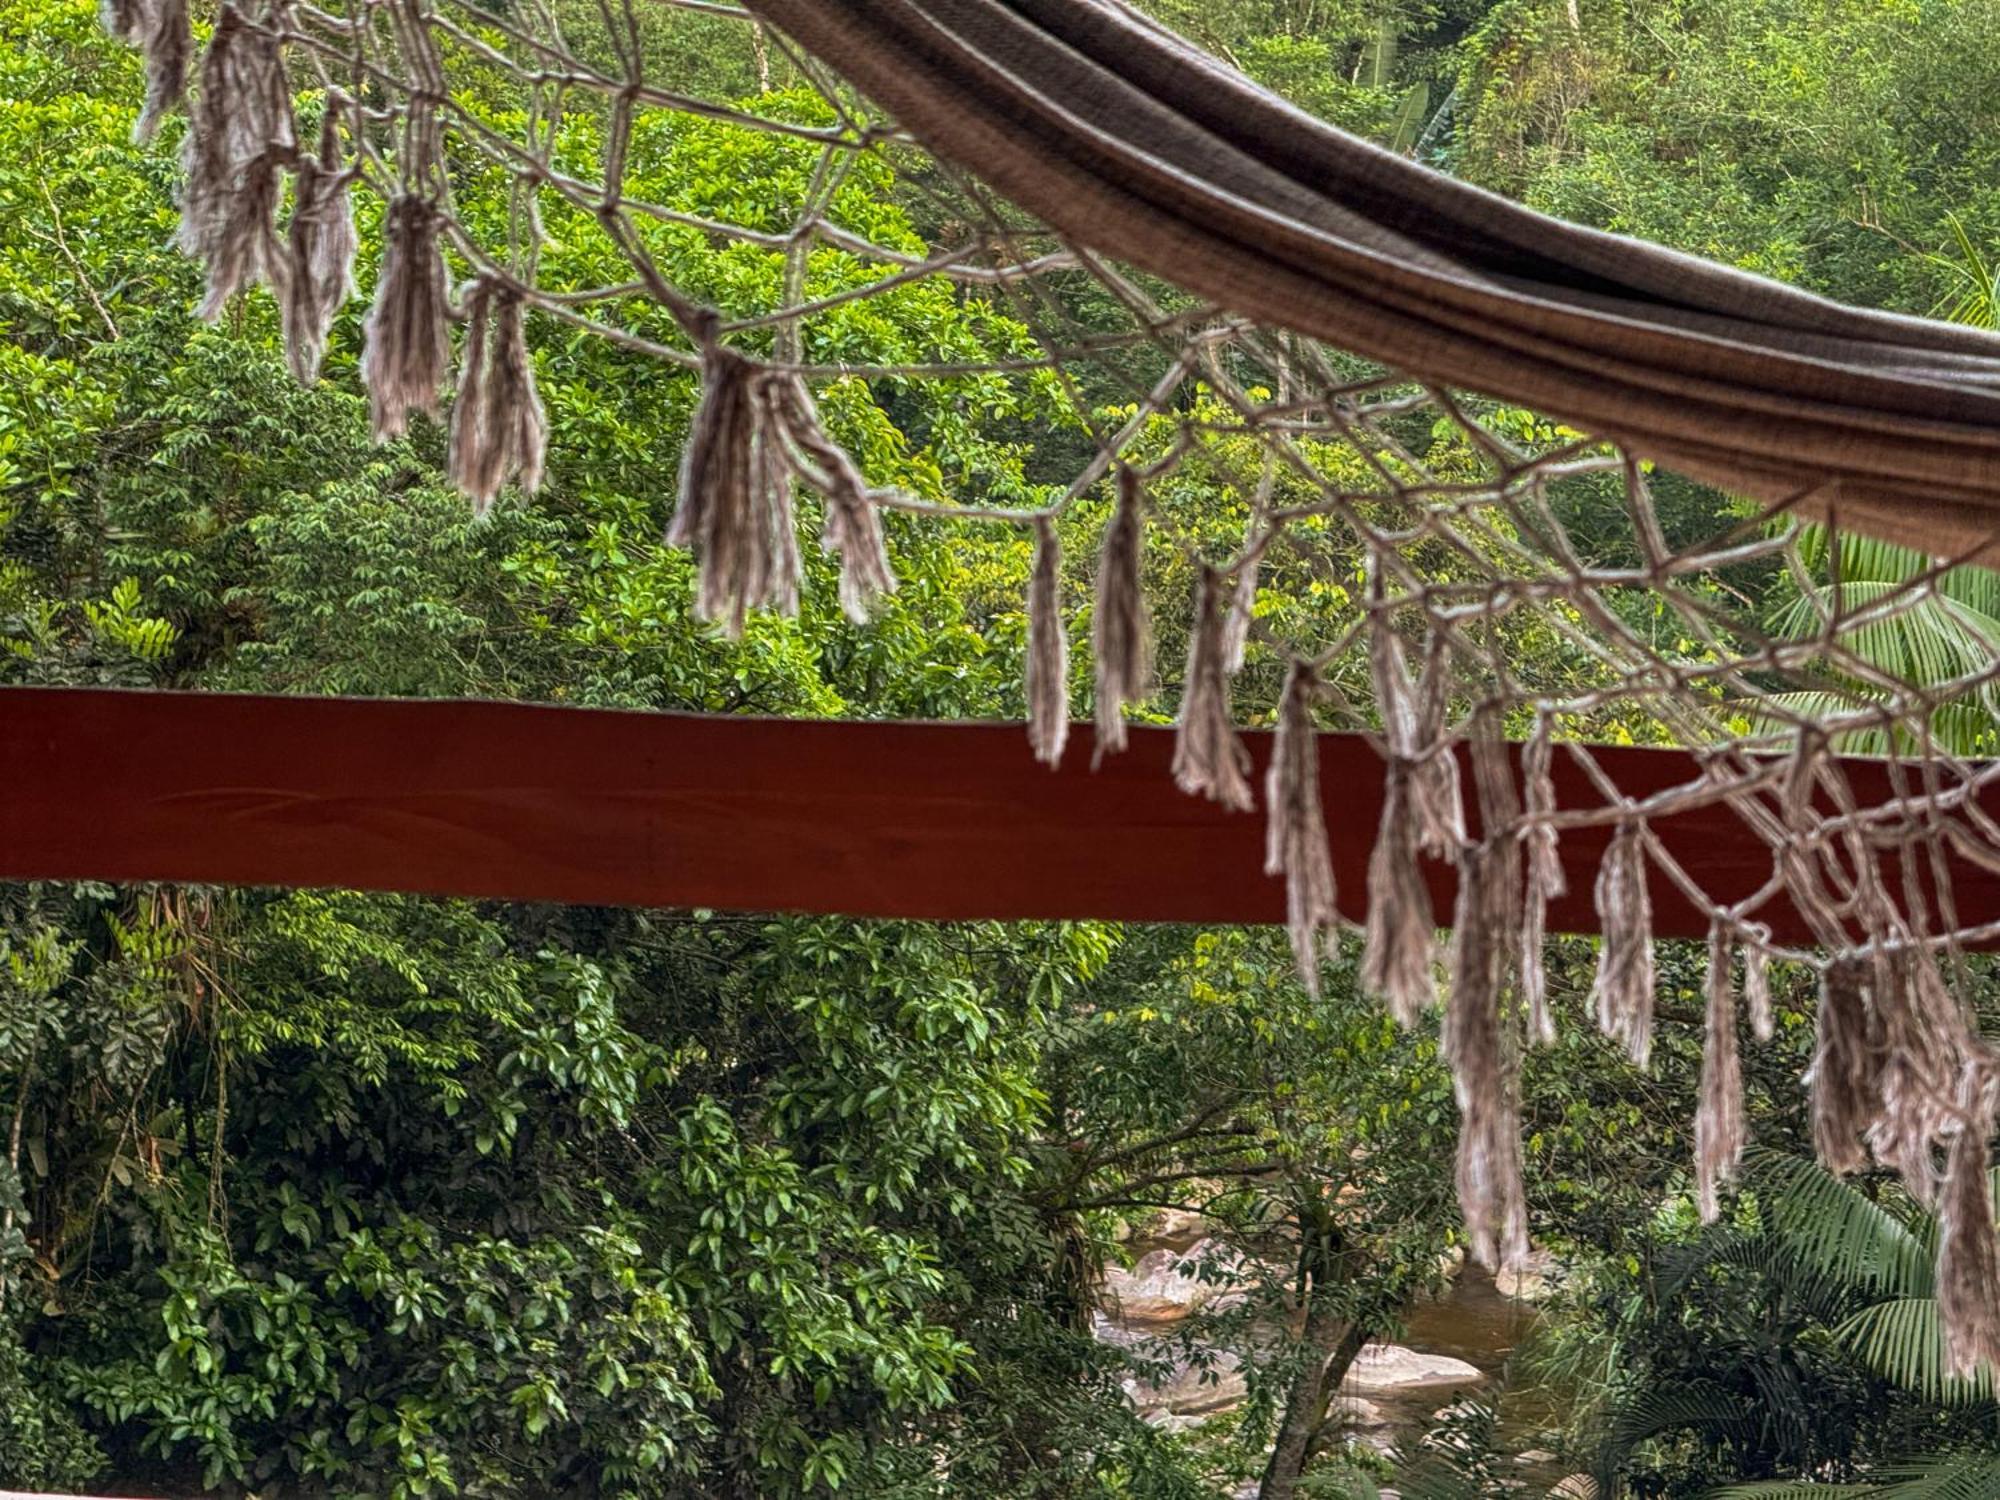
x: 1795, y: 1346
x: 1895, y: 617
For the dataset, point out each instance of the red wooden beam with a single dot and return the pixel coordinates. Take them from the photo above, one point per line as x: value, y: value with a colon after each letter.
x: 598, y: 807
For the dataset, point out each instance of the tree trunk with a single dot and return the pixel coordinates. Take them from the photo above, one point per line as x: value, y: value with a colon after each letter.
x: 1330, y: 1347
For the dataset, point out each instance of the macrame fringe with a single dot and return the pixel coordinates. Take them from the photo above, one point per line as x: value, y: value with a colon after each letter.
x: 852, y: 530
x: 319, y: 244
x: 1898, y: 1066
x: 1296, y: 844
x: 1437, y: 804
x: 755, y: 432
x: 1925, y: 1045
x: 1209, y: 760
x: 1545, y: 882
x: 160, y: 30
x: 1489, y: 1176
x: 1846, y: 1098
x: 1413, y: 721
x: 1398, y: 941
x: 1120, y: 633
x: 1968, y: 1266
x: 1623, y: 990
x: 240, y: 139
x: 1048, y: 649
x: 498, y: 428
x: 1242, y: 611
x: 1757, y: 991
x: 407, y: 338
x: 735, y: 510
x: 1718, y: 1121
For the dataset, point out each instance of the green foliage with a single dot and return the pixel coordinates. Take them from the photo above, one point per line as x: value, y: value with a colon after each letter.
x: 371, y: 1195
x: 41, y: 1442
x: 1814, y: 141
x: 1963, y: 1476
x: 1796, y: 1340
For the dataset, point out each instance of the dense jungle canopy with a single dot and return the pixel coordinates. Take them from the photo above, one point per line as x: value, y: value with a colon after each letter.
x: 328, y: 1193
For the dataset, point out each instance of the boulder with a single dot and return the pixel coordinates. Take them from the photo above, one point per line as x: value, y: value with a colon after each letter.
x: 1364, y: 1422
x: 1163, y: 1286
x: 1190, y: 1390
x: 1532, y: 1281
x: 1177, y: 1228
x: 1390, y: 1371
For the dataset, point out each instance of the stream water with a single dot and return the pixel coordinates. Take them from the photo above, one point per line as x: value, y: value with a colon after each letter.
x: 1453, y: 1345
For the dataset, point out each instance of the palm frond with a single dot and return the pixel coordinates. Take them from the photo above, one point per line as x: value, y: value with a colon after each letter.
x: 1844, y: 1236
x: 1951, y: 1476
x: 1901, y: 1340
x: 1703, y: 1409
x: 1974, y: 295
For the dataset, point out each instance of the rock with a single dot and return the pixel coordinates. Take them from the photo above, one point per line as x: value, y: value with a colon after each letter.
x: 1390, y: 1370
x: 1163, y: 1286
x: 1358, y: 1412
x: 1364, y: 1422
x: 1187, y: 1390
x: 1106, y: 1331
x: 1191, y: 1391
x: 1532, y: 1281
x: 1178, y: 1228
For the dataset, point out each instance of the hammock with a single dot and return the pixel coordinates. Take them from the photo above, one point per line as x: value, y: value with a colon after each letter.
x: 1127, y: 139
x: 1236, y: 311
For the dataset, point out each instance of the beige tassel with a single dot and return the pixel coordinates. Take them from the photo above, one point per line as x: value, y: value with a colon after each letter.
x: 1209, y: 759
x: 1968, y: 1268
x: 498, y: 428
x: 1623, y: 991
x: 735, y: 510
x: 1435, y: 795
x: 160, y: 30
x: 320, y: 252
x: 1396, y: 947
x: 1048, y: 649
x: 1242, y: 612
x: 1718, y: 1122
x: 1396, y: 950
x: 1412, y: 721
x: 1846, y: 1100
x: 1490, y: 1192
x: 239, y: 140
x: 1120, y: 632
x: 466, y: 458
x: 1436, y: 804
x: 1924, y: 1042
x: 1757, y: 991
x: 407, y: 338
x: 1534, y: 968
x: 852, y: 530
x: 1295, y: 836
x: 1545, y: 882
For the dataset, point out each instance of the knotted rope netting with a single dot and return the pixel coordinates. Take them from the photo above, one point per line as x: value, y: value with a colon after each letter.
x: 1334, y: 348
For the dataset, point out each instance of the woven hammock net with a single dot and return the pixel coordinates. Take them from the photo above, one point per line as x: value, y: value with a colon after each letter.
x: 1412, y: 551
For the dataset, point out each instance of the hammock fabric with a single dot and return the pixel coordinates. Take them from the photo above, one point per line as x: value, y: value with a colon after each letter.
x: 599, y: 807
x: 1131, y: 142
